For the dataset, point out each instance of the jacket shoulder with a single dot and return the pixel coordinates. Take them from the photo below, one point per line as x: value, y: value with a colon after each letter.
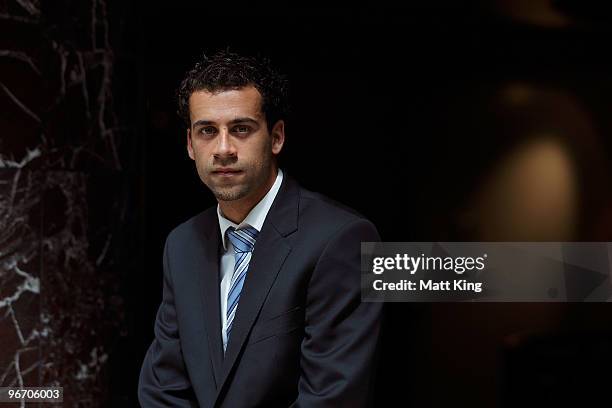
x: 199, y: 223
x: 324, y: 210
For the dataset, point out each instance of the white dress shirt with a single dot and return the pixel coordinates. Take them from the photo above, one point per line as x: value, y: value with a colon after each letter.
x: 255, y: 219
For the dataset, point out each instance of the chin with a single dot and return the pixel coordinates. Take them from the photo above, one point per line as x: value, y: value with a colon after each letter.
x: 225, y: 194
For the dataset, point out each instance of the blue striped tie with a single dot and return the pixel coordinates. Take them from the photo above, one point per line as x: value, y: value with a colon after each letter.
x: 243, y: 241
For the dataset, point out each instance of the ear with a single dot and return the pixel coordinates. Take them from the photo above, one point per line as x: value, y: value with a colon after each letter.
x: 189, y: 146
x: 278, y: 136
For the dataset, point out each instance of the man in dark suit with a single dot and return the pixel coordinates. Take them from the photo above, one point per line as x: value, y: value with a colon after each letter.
x: 261, y: 298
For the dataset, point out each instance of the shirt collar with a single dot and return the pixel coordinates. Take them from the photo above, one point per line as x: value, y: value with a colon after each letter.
x: 256, y: 216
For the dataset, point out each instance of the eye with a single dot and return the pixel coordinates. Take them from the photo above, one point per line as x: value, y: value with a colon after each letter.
x: 241, y: 129
x: 208, y: 130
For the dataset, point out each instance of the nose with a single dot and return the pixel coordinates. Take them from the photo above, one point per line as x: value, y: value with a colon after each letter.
x: 225, y: 147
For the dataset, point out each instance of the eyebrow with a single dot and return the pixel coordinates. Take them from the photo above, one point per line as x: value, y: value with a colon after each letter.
x: 203, y: 122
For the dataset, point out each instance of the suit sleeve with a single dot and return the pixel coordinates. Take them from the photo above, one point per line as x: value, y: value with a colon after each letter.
x: 339, y: 350
x: 163, y: 378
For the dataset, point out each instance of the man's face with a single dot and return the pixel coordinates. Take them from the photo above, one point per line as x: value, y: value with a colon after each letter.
x: 229, y: 140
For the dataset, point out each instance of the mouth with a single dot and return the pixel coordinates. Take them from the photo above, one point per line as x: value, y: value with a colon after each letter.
x: 226, y: 172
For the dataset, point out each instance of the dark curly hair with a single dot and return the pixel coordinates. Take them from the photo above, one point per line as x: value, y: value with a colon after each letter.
x: 226, y: 70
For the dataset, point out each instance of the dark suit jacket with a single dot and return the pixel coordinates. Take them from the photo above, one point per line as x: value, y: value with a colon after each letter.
x: 301, y: 335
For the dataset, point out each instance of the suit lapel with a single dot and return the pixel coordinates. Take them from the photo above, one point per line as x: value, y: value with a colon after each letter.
x: 208, y: 280
x: 269, y: 254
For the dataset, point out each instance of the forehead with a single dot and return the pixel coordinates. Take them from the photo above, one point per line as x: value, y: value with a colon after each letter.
x: 225, y: 105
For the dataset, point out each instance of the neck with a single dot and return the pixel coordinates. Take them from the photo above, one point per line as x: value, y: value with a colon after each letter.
x: 237, y: 210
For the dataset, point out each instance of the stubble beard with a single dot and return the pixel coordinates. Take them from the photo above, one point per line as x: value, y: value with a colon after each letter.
x: 230, y: 193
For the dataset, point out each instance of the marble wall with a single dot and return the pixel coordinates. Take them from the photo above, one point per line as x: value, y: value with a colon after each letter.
x: 66, y: 225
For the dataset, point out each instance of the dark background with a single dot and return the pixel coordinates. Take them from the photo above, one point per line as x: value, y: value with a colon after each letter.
x: 404, y: 114
x: 395, y: 114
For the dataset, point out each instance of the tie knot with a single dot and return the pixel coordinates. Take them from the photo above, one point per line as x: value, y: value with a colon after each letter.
x: 242, y: 239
